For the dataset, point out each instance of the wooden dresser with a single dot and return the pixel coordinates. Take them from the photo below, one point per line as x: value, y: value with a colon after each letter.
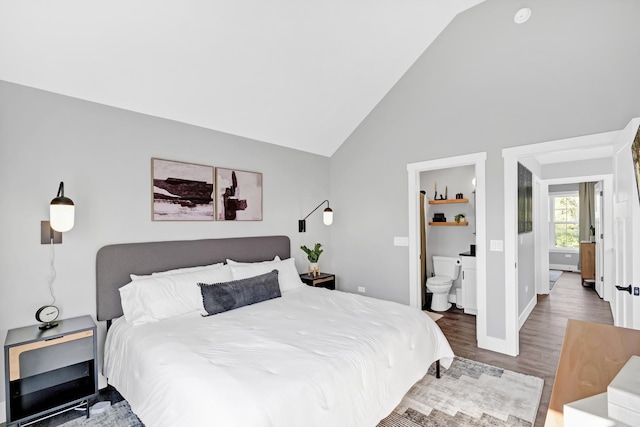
x: 587, y: 260
x: 592, y: 355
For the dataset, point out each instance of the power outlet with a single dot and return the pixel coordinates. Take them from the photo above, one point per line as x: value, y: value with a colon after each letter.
x: 361, y: 289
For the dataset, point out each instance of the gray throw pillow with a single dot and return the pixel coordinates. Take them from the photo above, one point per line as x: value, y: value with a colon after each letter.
x: 220, y: 297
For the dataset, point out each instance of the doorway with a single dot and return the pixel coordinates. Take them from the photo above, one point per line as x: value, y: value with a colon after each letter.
x: 414, y: 169
x: 578, y: 151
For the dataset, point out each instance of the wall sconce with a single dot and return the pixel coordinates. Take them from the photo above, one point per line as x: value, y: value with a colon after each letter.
x: 327, y: 217
x: 61, y: 218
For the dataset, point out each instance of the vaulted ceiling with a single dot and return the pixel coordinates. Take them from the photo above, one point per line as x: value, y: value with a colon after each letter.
x: 301, y: 74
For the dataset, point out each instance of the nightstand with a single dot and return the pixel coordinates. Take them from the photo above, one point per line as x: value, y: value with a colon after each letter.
x: 323, y: 280
x: 50, y: 370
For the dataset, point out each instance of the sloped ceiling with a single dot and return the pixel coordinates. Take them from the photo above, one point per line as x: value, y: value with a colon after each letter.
x: 301, y: 74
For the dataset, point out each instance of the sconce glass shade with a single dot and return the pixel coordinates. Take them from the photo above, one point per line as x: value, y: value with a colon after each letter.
x: 327, y: 216
x: 62, y: 212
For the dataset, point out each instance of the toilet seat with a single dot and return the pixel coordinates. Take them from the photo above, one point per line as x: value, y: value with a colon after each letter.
x: 439, y: 280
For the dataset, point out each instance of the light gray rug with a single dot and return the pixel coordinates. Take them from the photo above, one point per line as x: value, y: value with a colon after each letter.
x: 118, y: 415
x: 554, y: 275
x: 469, y: 393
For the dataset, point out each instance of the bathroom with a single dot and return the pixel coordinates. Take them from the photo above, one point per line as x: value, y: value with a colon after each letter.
x: 449, y: 218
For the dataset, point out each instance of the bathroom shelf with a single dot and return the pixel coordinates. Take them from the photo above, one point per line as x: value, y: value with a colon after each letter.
x: 449, y: 224
x: 448, y: 201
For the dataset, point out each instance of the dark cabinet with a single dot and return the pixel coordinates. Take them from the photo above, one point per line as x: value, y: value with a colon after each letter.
x: 323, y: 280
x: 50, y: 370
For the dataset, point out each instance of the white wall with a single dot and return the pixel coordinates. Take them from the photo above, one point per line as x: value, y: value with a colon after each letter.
x: 103, y: 156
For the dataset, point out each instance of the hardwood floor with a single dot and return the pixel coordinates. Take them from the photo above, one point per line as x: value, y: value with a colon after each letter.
x: 540, y: 337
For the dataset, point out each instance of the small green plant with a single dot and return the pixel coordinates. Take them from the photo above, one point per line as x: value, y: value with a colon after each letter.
x: 458, y: 217
x: 313, y: 254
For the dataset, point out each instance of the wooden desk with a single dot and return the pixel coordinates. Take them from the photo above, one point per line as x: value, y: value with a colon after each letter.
x: 591, y: 356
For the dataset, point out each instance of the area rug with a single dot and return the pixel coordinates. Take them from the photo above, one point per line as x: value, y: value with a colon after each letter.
x: 554, y: 275
x: 469, y: 393
x: 118, y: 415
x: 434, y: 316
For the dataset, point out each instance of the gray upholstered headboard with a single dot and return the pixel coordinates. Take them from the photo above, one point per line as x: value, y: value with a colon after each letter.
x: 114, y: 263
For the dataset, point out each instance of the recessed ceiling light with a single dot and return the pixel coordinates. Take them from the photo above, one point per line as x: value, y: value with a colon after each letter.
x: 522, y: 15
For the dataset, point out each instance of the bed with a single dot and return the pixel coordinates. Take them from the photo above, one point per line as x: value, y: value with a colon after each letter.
x: 311, y: 356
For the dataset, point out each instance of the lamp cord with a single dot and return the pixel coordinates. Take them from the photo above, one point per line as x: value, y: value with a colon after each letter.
x: 52, y: 274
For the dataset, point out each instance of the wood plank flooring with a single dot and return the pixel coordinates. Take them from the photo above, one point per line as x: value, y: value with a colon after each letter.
x: 540, y: 337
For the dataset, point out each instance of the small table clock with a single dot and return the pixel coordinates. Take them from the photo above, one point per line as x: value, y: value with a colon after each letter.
x: 47, y: 314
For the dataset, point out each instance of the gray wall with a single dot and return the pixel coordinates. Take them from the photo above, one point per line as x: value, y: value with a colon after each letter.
x: 103, y: 156
x: 483, y: 85
x: 562, y: 259
x: 561, y: 188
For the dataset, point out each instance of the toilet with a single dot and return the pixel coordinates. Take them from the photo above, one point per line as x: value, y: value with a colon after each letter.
x: 446, y: 270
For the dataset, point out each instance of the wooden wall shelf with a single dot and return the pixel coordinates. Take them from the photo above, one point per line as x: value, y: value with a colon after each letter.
x: 449, y: 224
x: 448, y: 201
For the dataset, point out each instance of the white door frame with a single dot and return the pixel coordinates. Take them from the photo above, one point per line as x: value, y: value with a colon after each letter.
x: 541, y: 218
x: 414, y: 170
x: 511, y: 156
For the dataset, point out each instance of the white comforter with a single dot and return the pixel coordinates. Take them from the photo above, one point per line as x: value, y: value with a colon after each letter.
x: 311, y: 358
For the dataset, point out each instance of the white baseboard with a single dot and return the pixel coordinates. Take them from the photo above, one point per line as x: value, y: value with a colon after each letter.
x: 527, y: 311
x: 564, y: 267
x: 3, y: 412
x: 495, y: 344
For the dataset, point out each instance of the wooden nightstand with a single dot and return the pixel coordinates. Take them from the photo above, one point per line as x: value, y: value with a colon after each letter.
x: 50, y: 370
x: 323, y: 280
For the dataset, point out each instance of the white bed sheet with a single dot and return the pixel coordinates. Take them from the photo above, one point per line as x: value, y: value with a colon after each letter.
x: 313, y: 357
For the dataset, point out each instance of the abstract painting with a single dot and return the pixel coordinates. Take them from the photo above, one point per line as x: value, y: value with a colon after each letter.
x: 181, y: 191
x: 238, y: 195
x: 525, y: 200
x: 635, y: 152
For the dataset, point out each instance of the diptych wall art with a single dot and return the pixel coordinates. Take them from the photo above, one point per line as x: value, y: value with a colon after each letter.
x: 238, y: 195
x: 191, y: 192
x: 635, y: 152
x: 181, y: 191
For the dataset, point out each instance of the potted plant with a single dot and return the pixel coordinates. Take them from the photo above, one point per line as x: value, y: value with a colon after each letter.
x: 458, y: 218
x: 313, y: 255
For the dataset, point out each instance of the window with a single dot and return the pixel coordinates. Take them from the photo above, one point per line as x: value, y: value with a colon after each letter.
x: 564, y: 225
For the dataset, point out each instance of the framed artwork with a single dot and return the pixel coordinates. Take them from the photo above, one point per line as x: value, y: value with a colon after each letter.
x: 181, y: 191
x: 525, y: 200
x: 635, y: 152
x: 238, y: 195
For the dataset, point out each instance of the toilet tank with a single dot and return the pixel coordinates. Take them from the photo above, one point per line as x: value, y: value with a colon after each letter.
x: 446, y: 266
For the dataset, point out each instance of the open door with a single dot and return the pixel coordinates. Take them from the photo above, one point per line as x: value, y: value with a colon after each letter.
x: 626, y: 214
x: 598, y: 198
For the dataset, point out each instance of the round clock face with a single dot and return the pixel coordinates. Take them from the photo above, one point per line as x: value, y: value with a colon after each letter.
x: 47, y: 313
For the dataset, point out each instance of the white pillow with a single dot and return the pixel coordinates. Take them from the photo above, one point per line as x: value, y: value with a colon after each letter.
x: 232, y: 262
x: 176, y: 271
x: 161, y: 297
x: 288, y: 276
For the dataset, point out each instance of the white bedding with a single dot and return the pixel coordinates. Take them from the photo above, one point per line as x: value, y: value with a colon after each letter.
x: 313, y: 357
